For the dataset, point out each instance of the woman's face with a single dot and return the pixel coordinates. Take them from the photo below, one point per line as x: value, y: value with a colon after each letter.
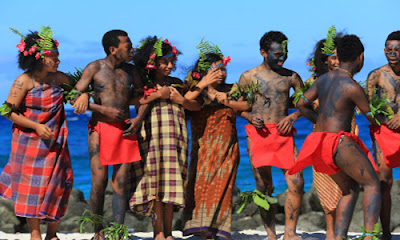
x: 51, y: 62
x: 221, y: 69
x: 165, y: 65
x: 332, y: 61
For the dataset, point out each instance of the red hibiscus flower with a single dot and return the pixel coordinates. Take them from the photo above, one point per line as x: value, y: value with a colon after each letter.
x: 150, y: 67
x: 56, y: 43
x: 166, y: 41
x: 32, y: 50
x: 46, y: 52
x: 174, y: 51
x: 37, y: 56
x: 26, y: 53
x: 147, y: 91
x: 152, y: 56
x: 196, y: 75
x: 225, y: 60
x: 21, y: 46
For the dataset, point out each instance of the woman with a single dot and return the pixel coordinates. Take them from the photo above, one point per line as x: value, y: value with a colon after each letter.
x: 38, y: 175
x: 328, y: 191
x: 215, y: 151
x: 164, y: 138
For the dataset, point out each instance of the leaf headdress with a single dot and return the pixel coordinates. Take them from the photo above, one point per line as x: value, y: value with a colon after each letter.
x: 329, y: 44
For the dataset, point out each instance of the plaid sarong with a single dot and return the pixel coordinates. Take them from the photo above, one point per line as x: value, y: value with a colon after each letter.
x: 161, y: 175
x: 38, y: 175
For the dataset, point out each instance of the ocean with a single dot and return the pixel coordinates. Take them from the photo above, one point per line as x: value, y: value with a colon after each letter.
x: 77, y: 140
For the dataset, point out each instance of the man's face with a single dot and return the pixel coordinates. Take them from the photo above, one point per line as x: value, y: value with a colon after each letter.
x: 392, y: 52
x: 275, y: 56
x: 124, y: 52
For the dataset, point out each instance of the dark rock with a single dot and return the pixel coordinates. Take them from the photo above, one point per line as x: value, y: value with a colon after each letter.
x: 247, y: 223
x: 76, y: 196
x: 71, y: 225
x: 312, y: 221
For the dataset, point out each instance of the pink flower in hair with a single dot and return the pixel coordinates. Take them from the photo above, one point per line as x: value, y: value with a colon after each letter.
x: 37, y: 56
x: 46, y: 52
x: 26, y: 53
x: 32, y: 50
x: 196, y: 75
x: 174, y: 51
x: 21, y: 46
x: 152, y: 56
x: 166, y: 41
x: 225, y: 60
x: 150, y: 67
x: 56, y: 43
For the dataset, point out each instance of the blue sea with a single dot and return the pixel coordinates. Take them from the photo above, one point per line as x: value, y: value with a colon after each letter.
x: 77, y: 140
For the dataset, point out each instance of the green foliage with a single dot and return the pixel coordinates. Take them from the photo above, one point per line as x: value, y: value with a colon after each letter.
x: 329, y: 44
x: 262, y: 200
x: 17, y: 32
x: 46, y: 35
x: 116, y: 231
x: 90, y: 218
x: 206, y: 47
x: 75, y: 76
x: 284, y: 46
x: 376, y: 233
x: 157, y: 48
x: 299, y: 93
x: 380, y: 106
x: 248, y: 91
x: 6, y: 108
x: 72, y: 93
x: 142, y: 44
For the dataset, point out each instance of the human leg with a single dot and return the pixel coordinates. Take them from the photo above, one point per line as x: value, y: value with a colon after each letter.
x: 52, y: 228
x: 167, y: 220
x: 119, y: 183
x: 330, y: 225
x: 99, y: 180
x: 356, y: 166
x: 293, y: 201
x: 385, y: 175
x: 157, y: 220
x: 34, y: 228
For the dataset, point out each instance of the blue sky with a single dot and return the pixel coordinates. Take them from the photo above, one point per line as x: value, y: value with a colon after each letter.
x: 235, y: 26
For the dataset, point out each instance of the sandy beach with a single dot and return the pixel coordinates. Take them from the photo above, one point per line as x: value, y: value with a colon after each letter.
x: 242, y: 235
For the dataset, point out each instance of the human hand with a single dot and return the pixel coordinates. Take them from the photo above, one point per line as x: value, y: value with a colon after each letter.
x: 175, y: 96
x: 257, y: 122
x: 114, y: 114
x: 393, y: 123
x: 285, y: 125
x: 213, y: 75
x: 134, y: 126
x: 222, y: 98
x: 44, y: 131
x: 164, y: 92
x: 81, y: 104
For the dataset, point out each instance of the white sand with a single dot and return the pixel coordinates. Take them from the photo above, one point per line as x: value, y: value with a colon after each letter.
x: 242, y: 235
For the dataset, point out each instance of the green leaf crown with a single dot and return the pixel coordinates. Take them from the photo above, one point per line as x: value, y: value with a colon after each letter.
x: 206, y: 48
x: 329, y: 44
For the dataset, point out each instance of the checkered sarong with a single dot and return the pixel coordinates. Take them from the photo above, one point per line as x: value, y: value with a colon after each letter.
x: 161, y: 175
x: 38, y: 175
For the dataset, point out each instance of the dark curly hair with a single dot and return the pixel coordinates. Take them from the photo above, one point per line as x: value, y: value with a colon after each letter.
x: 319, y: 58
x: 270, y: 37
x: 29, y: 63
x: 142, y: 55
x: 394, y: 36
x: 349, y: 48
x: 210, y: 58
x: 110, y: 39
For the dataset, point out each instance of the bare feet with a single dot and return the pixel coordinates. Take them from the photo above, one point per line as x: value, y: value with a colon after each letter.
x: 292, y: 236
x: 169, y: 238
x: 159, y: 236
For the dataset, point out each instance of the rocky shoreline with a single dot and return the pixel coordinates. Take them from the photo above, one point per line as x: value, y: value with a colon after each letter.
x: 312, y: 217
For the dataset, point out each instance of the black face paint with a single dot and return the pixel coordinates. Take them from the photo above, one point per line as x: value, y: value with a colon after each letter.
x: 392, y: 52
x: 276, y: 57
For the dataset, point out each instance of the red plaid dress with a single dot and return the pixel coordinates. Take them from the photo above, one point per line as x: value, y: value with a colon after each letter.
x: 38, y: 175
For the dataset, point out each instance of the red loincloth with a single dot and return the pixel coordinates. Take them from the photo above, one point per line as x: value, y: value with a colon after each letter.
x: 318, y: 150
x: 269, y: 148
x: 389, y: 142
x: 113, y: 147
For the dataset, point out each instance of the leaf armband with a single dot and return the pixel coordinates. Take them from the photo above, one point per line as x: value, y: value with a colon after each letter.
x: 248, y: 91
x: 379, y: 105
x: 7, y: 108
x: 299, y: 93
x: 259, y: 198
x: 375, y: 233
x: 70, y: 95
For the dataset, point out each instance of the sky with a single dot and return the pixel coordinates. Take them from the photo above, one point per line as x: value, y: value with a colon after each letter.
x: 235, y: 26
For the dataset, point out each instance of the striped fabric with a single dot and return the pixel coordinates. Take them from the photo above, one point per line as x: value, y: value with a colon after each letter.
x: 328, y: 191
x: 212, y: 172
x: 38, y: 176
x: 164, y: 148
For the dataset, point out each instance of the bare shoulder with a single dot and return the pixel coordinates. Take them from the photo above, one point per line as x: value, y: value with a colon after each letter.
x: 376, y: 73
x: 246, y: 76
x: 61, y: 78
x: 95, y: 65
x: 311, y: 80
x: 24, y: 81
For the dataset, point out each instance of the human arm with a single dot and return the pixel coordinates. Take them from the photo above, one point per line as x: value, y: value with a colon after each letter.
x: 17, y: 93
x: 211, y: 77
x: 239, y: 105
x: 177, y: 98
x: 305, y: 106
x: 136, y: 123
x: 358, y: 96
x: 163, y: 93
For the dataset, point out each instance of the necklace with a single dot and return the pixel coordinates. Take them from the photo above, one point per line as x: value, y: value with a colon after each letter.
x: 343, y: 70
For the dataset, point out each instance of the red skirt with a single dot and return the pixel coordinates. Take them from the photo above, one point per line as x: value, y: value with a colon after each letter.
x: 269, y: 148
x: 113, y: 147
x: 389, y: 142
x: 318, y: 150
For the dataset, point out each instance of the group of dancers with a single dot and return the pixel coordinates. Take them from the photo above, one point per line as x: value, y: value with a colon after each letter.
x: 149, y: 153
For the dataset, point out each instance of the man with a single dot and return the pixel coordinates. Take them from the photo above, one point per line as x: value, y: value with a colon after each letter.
x: 270, y: 134
x: 112, y: 79
x: 386, y: 138
x: 331, y: 148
